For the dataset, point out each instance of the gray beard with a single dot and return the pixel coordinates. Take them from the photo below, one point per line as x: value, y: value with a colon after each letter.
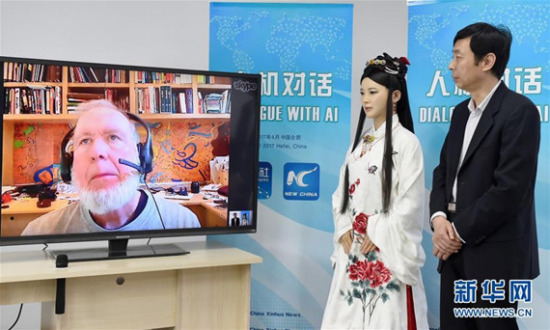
x: 107, y: 200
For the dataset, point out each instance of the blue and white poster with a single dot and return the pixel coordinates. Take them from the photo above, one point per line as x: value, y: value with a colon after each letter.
x: 432, y: 27
x: 303, y: 52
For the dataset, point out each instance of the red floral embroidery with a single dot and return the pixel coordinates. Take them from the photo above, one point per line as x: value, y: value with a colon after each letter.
x: 352, y: 189
x: 375, y: 272
x: 360, y: 223
x: 370, y: 279
x: 378, y: 274
x: 359, y: 271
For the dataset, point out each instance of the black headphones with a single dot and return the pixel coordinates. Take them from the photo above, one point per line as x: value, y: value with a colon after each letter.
x: 145, y: 152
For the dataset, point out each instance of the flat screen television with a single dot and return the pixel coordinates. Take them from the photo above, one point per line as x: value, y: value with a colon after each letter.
x: 196, y: 136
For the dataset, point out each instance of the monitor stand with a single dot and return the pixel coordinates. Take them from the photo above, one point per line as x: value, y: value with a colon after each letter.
x: 118, y: 249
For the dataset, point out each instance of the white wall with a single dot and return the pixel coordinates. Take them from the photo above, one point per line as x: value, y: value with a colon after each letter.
x: 166, y: 33
x: 161, y: 34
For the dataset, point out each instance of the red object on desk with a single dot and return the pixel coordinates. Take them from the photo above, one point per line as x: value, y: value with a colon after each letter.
x: 224, y: 191
x: 44, y: 203
x: 6, y: 198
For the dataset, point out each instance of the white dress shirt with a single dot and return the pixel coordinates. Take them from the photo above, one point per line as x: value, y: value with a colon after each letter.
x: 471, y: 125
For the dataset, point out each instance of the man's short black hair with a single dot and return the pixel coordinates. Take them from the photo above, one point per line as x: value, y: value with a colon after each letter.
x: 487, y: 38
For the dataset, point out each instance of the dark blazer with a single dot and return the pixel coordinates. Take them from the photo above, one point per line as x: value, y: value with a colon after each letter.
x: 495, y: 187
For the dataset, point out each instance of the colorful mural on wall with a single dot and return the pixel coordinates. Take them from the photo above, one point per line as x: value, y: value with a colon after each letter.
x: 182, y: 150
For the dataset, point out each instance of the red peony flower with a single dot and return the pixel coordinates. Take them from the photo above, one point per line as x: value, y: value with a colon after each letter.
x: 352, y: 189
x: 357, y: 182
x: 360, y: 223
x: 379, y: 274
x: 359, y: 271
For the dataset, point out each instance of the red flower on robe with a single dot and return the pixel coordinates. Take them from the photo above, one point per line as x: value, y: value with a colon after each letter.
x: 378, y: 274
x: 360, y: 223
x: 359, y: 271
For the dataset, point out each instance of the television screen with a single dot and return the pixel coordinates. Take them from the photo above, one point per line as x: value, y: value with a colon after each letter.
x: 112, y: 152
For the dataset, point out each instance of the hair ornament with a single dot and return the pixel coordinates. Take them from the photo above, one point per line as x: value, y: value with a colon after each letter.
x: 404, y: 60
x: 394, y: 66
x: 376, y: 61
x: 391, y: 71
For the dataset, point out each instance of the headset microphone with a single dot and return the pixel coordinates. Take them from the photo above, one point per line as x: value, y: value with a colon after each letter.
x: 132, y: 165
x: 143, y: 171
x: 145, y: 152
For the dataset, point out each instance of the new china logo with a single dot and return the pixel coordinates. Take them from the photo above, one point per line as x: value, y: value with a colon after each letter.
x: 264, y: 180
x: 301, y: 181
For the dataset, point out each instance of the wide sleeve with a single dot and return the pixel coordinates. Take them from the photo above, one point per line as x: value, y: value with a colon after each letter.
x: 342, y: 222
x: 398, y: 233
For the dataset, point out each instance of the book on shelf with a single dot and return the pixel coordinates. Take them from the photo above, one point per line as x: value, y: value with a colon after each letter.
x: 86, y: 75
x: 226, y: 101
x: 218, y: 102
x: 199, y: 103
x: 212, y: 103
x: 71, y: 74
x: 57, y: 100
x: 78, y: 75
x: 165, y: 95
x: 76, y: 98
x: 183, y: 78
x: 115, y: 76
x: 154, y: 77
x: 201, y: 79
x: 138, y: 76
x: 28, y: 72
x: 17, y: 101
x: 153, y: 100
x: 86, y: 96
x: 33, y: 100
x: 147, y: 100
x: 219, y: 80
x: 7, y: 101
x: 182, y: 103
x: 176, y: 102
x: 85, y: 78
x: 25, y: 102
x: 8, y: 71
x: 165, y: 92
x: 189, y: 100
x: 121, y: 100
x: 93, y: 75
x: 53, y: 73
x: 142, y: 101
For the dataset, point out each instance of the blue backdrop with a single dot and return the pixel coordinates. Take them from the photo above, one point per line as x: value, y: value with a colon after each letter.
x: 432, y: 27
x: 303, y: 52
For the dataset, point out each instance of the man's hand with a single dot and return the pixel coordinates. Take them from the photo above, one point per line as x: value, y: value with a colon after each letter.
x: 445, y: 240
x: 346, y: 241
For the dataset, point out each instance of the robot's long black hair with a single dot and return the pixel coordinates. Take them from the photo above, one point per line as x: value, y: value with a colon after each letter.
x: 389, y: 72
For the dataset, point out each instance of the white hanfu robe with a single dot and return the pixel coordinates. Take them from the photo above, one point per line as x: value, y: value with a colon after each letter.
x: 370, y: 291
